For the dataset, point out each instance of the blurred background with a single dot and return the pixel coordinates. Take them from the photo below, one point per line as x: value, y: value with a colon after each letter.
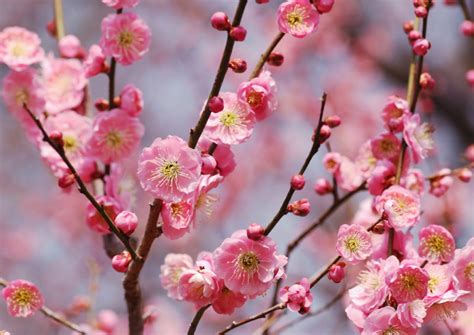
x: 359, y: 56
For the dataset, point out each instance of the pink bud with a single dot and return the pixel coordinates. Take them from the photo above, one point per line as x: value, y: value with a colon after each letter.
x: 238, y: 65
x: 469, y: 153
x: 426, y: 81
x: 261, y: 1
x: 408, y: 26
x: 300, y: 207
x: 70, y: 47
x: 464, y: 175
x: 127, y: 222
x: 467, y: 28
x: 238, y: 33
x: 66, y: 180
x: 421, y: 46
x: 209, y: 164
x: 324, y: 133
x: 336, y: 272
x: 216, y: 104
x: 297, y: 182
x: 333, y: 121
x: 57, y: 138
x: 324, y: 6
x: 470, y: 77
x: 101, y: 105
x: 51, y: 28
x: 413, y: 36
x: 121, y: 261
x: 255, y: 232
x: 275, y: 59
x: 421, y: 11
x: 107, y: 321
x: 379, y: 228
x: 322, y: 186
x: 220, y: 21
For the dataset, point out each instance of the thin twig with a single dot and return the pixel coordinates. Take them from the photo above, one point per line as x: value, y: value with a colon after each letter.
x: 196, y: 132
x: 54, y: 315
x: 314, y: 149
x: 196, y: 319
x: 59, y: 19
x: 82, y: 187
x: 465, y: 10
x: 266, y: 54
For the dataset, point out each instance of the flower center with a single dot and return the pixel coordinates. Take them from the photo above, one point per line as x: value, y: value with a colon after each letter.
x: 295, y: 17
x: 386, y: 146
x: 469, y: 271
x: 255, y: 98
x: 23, y: 297
x: 176, y: 209
x: 409, y: 282
x: 70, y: 143
x: 352, y: 243
x: 21, y: 97
x: 125, y: 38
x: 432, y: 283
x: 229, y: 119
x: 18, y: 50
x: 391, y: 331
x: 435, y: 243
x: 113, y: 139
x: 248, y: 261
x: 169, y: 170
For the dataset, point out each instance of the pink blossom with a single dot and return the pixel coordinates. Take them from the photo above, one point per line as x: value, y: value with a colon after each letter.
x: 414, y: 181
x: 199, y: 286
x: 228, y: 301
x: 204, y: 201
x: 332, y: 161
x: 177, y: 218
x: 19, y: 48
x: 70, y: 47
x: 95, y: 221
x: 464, y: 266
x: 440, y: 279
x: 64, y: 82
x: 115, y: 136
x: 418, y: 137
x: 125, y: 37
x: 409, y: 283
x: 446, y: 306
x: 394, y: 113
x: 436, y: 244
x: 131, y: 100
x: 365, y: 159
x: 353, y: 243
x: 441, y: 182
x: 22, y: 297
x: 382, y: 176
x: 300, y: 207
x: 336, y: 272
x: 385, y: 321
x: 412, y: 313
x: 127, y: 222
x: 348, y: 175
x: 400, y: 205
x: 223, y: 155
x: 117, y: 4
x: 107, y: 320
x: 121, y: 261
x: 246, y: 266
x: 322, y: 186
x: 233, y: 125
x: 279, y: 271
x: 386, y: 146
x: 94, y: 62
x: 260, y: 94
x: 171, y: 271
x: 169, y: 169
x: 297, y: 18
x: 298, y: 297
x: 76, y: 130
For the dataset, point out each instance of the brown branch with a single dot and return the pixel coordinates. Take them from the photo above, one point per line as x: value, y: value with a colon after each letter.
x: 53, y: 315
x: 131, y: 283
x: 82, y: 187
x: 465, y: 10
x: 314, y: 149
x: 196, y: 319
x: 196, y: 132
x: 266, y: 54
x: 59, y: 19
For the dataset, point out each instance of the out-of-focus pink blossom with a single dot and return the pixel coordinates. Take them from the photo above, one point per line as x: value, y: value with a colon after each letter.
x: 464, y: 266
x: 441, y: 182
x: 95, y: 221
x: 171, y: 271
x: 19, y: 48
x: 386, y: 146
x: 324, y: 6
x: 297, y: 18
x: 298, y: 297
x: 94, y: 62
x: 117, y: 4
x: 322, y: 186
x: 394, y: 113
x: 418, y: 137
x: 70, y: 47
x: 107, y: 320
x: 131, y: 100
x: 22, y: 297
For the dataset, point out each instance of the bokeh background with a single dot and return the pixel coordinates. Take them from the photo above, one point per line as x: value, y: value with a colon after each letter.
x: 359, y: 56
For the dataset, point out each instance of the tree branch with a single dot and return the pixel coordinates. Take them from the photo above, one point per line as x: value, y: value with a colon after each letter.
x: 266, y: 54
x: 196, y: 319
x: 59, y: 19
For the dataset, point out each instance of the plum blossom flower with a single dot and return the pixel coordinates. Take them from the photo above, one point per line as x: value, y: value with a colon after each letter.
x: 199, y: 286
x: 19, y: 48
x: 234, y: 124
x: 418, y: 137
x: 386, y: 146
x: 401, y: 206
x: 381, y: 177
x: 409, y: 283
x: 384, y: 321
x: 297, y: 18
x: 228, y: 301
x: 177, y: 218
x: 440, y: 279
x: 223, y: 155
x: 246, y: 266
x: 348, y: 175
x: 125, y: 37
x: 64, y: 82
x: 117, y: 4
x: 169, y: 169
x: 436, y: 244
x: 22, y: 297
x: 120, y: 186
x: 94, y: 219
x: 394, y: 112
x: 260, y: 94
x: 445, y: 306
x: 171, y: 271
x: 115, y: 135
x: 21, y: 88
x: 94, y: 62
x: 464, y: 266
x: 298, y: 297
x: 70, y: 47
x: 414, y: 181
x: 131, y: 100
x: 353, y: 243
x: 412, y: 313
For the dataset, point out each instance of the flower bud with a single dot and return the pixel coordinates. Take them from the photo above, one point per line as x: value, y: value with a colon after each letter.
x: 323, y: 6
x: 121, y: 261
x: 66, y: 180
x: 324, y: 133
x: 467, y: 28
x: 255, y: 232
x: 300, y: 207
x: 275, y: 59
x: 70, y: 47
x: 332, y: 121
x: 57, y: 138
x: 101, y: 105
x: 220, y: 21
x: 107, y: 321
x: 413, y: 36
x: 261, y: 1
x: 427, y: 81
x: 379, y: 228
x: 209, y: 164
x: 408, y: 26
x: 421, y: 46
x: 238, y: 33
x: 464, y: 175
x: 469, y: 153
x: 421, y: 11
x: 238, y: 65
x: 297, y: 182
x: 51, y: 28
x: 470, y: 77
x: 215, y: 104
x: 336, y: 272
x: 322, y: 186
x: 127, y: 222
